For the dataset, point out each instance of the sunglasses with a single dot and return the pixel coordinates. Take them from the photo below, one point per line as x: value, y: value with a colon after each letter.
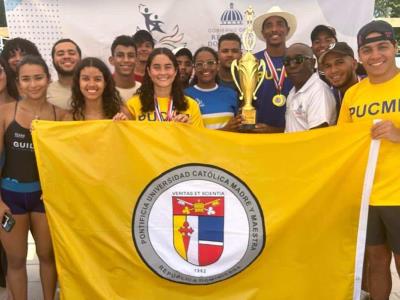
x: 202, y: 65
x: 298, y: 59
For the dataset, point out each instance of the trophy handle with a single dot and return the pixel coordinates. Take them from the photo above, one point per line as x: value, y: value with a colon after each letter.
x: 261, y: 73
x: 234, y: 67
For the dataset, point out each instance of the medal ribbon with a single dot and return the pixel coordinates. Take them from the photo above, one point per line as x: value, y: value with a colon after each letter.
x: 277, y: 80
x: 170, y: 110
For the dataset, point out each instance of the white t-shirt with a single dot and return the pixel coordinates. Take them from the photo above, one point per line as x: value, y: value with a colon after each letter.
x: 59, y: 95
x: 128, y: 93
x: 311, y: 106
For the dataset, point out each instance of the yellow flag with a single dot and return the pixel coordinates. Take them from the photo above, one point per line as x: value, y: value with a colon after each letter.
x: 168, y: 211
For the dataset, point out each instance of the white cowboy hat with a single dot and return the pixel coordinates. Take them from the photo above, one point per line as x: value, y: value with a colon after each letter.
x: 275, y: 11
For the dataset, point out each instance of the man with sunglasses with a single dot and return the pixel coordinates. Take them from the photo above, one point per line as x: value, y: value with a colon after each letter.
x: 275, y: 28
x: 310, y: 102
x: 378, y: 97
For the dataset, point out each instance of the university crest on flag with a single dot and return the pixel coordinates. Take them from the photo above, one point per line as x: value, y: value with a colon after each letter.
x: 199, y: 228
x: 259, y: 214
x: 198, y: 224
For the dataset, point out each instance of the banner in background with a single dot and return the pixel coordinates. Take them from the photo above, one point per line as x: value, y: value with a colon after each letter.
x: 150, y: 211
x: 173, y: 23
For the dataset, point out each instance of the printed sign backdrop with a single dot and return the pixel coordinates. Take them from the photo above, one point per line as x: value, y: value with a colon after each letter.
x: 173, y: 23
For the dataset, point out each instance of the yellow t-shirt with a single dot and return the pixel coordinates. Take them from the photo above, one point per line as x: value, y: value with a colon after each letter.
x: 193, y: 110
x: 367, y: 101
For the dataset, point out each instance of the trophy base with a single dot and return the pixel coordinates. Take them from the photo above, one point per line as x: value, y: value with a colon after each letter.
x: 247, y: 127
x: 249, y: 120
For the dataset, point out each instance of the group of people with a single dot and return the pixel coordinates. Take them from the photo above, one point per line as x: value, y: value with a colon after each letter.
x: 305, y: 87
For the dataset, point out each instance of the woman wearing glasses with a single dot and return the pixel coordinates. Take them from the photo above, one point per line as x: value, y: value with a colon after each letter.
x: 161, y: 98
x: 218, y: 104
x: 20, y: 187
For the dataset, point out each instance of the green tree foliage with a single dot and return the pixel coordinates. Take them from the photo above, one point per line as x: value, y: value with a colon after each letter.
x: 388, y: 9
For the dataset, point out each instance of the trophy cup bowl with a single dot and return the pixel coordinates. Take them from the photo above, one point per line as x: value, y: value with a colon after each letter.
x: 251, y: 73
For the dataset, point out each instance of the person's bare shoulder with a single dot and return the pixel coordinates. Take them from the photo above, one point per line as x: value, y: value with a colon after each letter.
x: 7, y: 113
x: 7, y: 109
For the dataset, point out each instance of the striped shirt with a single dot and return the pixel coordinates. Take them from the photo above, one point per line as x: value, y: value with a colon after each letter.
x: 217, y: 105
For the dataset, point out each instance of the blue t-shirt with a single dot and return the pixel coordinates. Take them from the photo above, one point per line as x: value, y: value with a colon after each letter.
x: 267, y: 112
x: 217, y: 105
x: 228, y: 84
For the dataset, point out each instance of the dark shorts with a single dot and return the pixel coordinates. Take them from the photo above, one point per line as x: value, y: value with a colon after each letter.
x: 384, y: 226
x: 23, y: 202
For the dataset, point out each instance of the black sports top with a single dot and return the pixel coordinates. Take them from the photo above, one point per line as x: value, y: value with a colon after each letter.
x: 20, y: 161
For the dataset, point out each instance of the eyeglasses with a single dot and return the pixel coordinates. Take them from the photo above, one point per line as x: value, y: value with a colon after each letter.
x: 298, y: 59
x: 202, y: 65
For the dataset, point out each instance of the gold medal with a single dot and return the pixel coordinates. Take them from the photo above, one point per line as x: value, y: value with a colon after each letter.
x: 279, y: 100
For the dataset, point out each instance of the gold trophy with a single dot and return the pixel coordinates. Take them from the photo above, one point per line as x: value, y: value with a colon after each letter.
x: 251, y: 73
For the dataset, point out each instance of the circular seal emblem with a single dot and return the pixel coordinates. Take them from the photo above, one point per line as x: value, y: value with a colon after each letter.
x: 198, y: 224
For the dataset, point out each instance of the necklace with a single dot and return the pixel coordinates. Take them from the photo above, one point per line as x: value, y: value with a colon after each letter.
x: 35, y: 112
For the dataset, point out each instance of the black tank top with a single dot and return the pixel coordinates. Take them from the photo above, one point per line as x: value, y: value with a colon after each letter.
x: 20, y: 161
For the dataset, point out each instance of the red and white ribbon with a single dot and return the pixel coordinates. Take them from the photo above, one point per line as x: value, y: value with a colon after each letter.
x: 277, y: 80
x: 170, y: 110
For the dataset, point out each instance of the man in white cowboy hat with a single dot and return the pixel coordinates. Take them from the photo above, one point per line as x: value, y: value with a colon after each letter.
x: 274, y: 27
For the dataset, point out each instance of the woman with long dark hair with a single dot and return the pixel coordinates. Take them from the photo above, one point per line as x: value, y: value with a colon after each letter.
x: 8, y: 89
x: 14, y: 50
x: 94, y: 96
x: 20, y: 188
x: 161, y: 98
